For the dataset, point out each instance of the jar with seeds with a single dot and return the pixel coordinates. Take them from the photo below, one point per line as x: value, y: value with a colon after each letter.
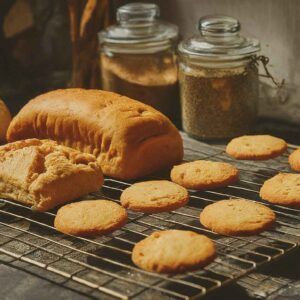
x: 218, y: 80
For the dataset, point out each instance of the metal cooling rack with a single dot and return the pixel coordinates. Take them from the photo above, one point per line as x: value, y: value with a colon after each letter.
x: 102, y: 264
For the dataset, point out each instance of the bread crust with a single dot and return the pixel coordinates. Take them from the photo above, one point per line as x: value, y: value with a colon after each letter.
x: 5, y: 119
x: 43, y: 174
x: 129, y: 138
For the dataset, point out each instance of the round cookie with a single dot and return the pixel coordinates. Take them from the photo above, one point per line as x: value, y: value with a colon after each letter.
x: 204, y: 174
x: 256, y: 147
x: 237, y: 216
x: 154, y: 196
x: 284, y: 188
x: 173, y: 251
x: 294, y: 160
x: 90, y: 217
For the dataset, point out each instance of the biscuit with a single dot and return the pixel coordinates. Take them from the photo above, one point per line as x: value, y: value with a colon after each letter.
x: 237, y: 216
x: 90, y: 217
x: 154, y: 196
x: 256, y: 147
x: 284, y: 188
x: 294, y: 160
x: 203, y: 174
x: 173, y: 251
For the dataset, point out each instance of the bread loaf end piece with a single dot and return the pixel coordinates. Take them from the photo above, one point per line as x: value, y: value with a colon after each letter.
x: 43, y: 174
x: 130, y: 139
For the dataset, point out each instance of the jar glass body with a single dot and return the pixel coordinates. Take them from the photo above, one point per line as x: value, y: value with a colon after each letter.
x: 218, y: 100
x: 137, y: 58
x: 151, y: 77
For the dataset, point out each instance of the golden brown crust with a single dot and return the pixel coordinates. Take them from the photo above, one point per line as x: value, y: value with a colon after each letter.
x: 43, y: 174
x: 236, y: 217
x: 294, y: 160
x: 154, y: 196
x: 5, y: 119
x: 204, y: 174
x: 90, y: 217
x: 256, y: 147
x: 173, y: 251
x: 284, y: 189
x: 129, y: 138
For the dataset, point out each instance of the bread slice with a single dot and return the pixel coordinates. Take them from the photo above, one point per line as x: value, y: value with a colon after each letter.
x: 130, y: 139
x: 43, y: 174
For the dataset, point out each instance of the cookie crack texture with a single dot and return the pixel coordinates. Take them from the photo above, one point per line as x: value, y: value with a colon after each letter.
x: 202, y: 174
x: 256, y: 147
x: 90, y: 217
x: 154, y: 196
x: 283, y: 188
x: 236, y: 217
x: 173, y: 251
x: 294, y: 160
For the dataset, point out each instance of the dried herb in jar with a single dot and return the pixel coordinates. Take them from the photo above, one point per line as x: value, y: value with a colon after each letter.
x: 219, y: 103
x: 218, y: 80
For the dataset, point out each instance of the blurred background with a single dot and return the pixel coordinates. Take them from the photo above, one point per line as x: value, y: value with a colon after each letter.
x: 47, y: 44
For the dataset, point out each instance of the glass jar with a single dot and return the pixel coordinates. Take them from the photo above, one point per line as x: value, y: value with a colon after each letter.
x: 218, y: 80
x: 137, y: 58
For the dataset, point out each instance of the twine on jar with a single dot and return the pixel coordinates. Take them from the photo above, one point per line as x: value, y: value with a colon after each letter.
x: 255, y: 59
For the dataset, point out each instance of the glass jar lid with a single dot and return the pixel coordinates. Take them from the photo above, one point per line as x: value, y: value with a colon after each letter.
x: 218, y: 39
x: 138, y: 29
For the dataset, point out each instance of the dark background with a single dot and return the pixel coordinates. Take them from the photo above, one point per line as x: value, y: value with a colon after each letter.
x: 37, y: 57
x: 36, y: 52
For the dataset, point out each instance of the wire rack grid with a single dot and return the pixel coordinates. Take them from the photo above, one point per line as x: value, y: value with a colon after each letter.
x: 103, y: 263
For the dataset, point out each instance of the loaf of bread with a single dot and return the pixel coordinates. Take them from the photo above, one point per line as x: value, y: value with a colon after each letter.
x: 130, y: 139
x: 5, y: 119
x: 43, y: 174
